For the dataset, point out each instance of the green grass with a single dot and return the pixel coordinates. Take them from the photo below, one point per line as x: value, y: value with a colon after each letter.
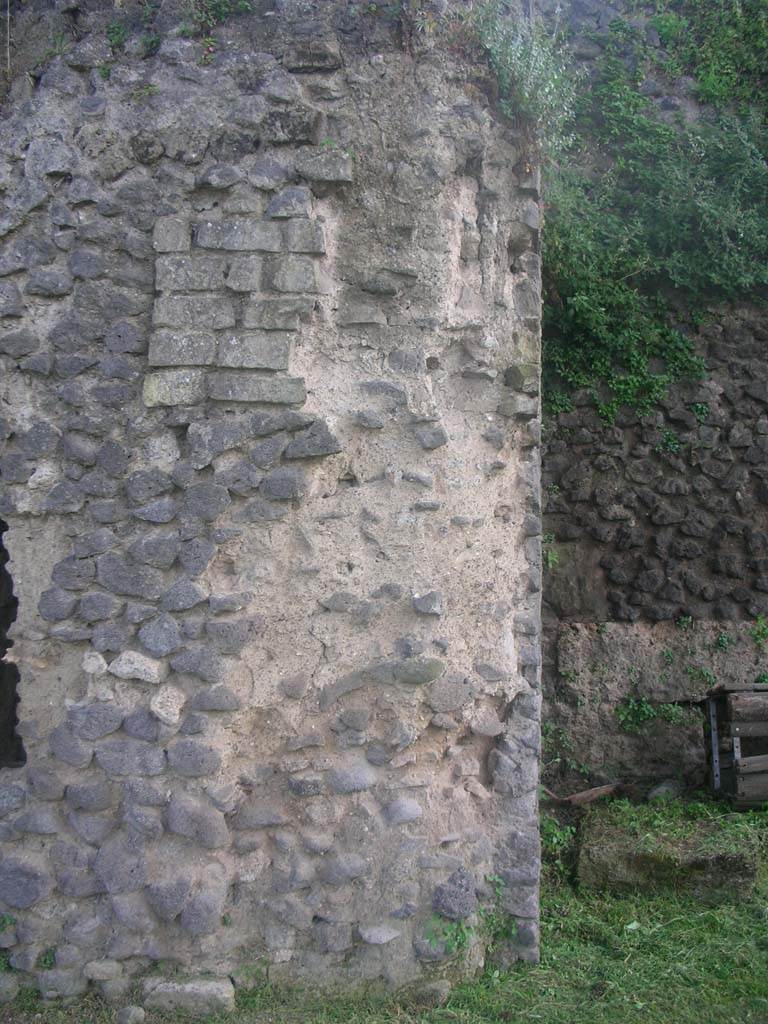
x: 605, y: 960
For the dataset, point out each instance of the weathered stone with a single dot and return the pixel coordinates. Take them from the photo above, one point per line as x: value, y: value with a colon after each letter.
x: 431, y: 436
x: 201, y: 662
x: 196, y: 820
x: 402, y: 810
x: 256, y: 387
x: 93, y: 721
x: 291, y: 202
x: 199, y: 997
x: 161, y: 636
x: 121, y: 865
x: 200, y: 311
x: 430, y: 603
x: 166, y: 704
x: 193, y: 759
x: 56, y: 604
x: 256, y: 813
x: 326, y: 168
x: 66, y: 747
x: 241, y: 235
x: 182, y: 348
x: 133, y: 665
x: 121, y: 577
x: 292, y: 274
x: 456, y: 898
x: 263, y: 351
x: 352, y: 778
x: 171, y: 234
x: 24, y: 881
x: 284, y: 484
x: 314, y: 442
x: 182, y: 595
x: 130, y: 757
x: 282, y: 314
x: 342, y: 868
x: 205, y: 501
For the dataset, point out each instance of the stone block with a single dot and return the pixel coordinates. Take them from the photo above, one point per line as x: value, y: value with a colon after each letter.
x: 199, y: 997
x: 328, y: 167
x: 171, y: 234
x: 291, y: 126
x: 244, y: 274
x: 256, y: 387
x: 239, y: 235
x: 257, y: 351
x: 277, y: 314
x: 291, y: 202
x: 313, y: 54
x: 174, y: 387
x: 215, y: 312
x: 292, y: 274
x: 304, y: 236
x: 197, y: 273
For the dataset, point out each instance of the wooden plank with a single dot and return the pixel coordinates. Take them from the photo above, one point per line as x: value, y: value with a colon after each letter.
x: 723, y: 688
x: 748, y: 707
x: 752, y: 787
x: 749, y: 728
x: 748, y: 765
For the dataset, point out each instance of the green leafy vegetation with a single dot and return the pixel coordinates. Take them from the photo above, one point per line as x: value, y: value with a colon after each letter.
x: 117, y: 33
x: 650, y: 220
x: 635, y: 713
x: 759, y: 632
x: 205, y: 15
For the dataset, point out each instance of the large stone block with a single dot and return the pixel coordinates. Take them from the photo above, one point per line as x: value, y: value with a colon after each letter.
x: 199, y: 997
x: 182, y: 348
x: 256, y: 387
x: 240, y: 235
x: 292, y: 274
x: 197, y: 273
x: 209, y: 310
x: 262, y: 351
x: 277, y: 314
x: 174, y: 387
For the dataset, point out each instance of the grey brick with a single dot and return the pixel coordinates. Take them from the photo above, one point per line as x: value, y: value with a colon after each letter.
x: 263, y: 351
x: 202, y: 310
x: 171, y: 234
x: 304, y: 236
x: 326, y: 167
x: 182, y: 348
x: 292, y: 274
x: 174, y: 387
x: 197, y: 273
x: 244, y: 274
x: 256, y: 387
x: 295, y: 201
x: 241, y: 235
x: 278, y: 314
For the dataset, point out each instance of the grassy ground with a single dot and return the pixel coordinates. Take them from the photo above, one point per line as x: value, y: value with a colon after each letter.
x: 605, y: 960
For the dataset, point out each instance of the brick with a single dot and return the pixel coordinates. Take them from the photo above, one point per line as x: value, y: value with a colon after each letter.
x: 241, y: 235
x: 174, y: 387
x: 326, y: 167
x: 256, y: 387
x: 171, y: 234
x: 277, y: 314
x: 182, y: 348
x: 304, y: 236
x: 293, y: 274
x: 189, y: 273
x: 212, y: 311
x: 244, y: 274
x: 258, y: 351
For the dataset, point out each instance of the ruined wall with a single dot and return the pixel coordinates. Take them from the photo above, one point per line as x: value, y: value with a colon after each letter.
x: 654, y: 521
x: 269, y: 335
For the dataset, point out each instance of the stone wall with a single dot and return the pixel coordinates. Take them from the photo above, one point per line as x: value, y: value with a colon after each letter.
x: 270, y: 345
x: 659, y: 519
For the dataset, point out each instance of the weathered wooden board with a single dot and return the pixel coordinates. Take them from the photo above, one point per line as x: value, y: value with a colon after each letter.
x: 748, y: 707
x: 749, y: 765
x: 749, y: 728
